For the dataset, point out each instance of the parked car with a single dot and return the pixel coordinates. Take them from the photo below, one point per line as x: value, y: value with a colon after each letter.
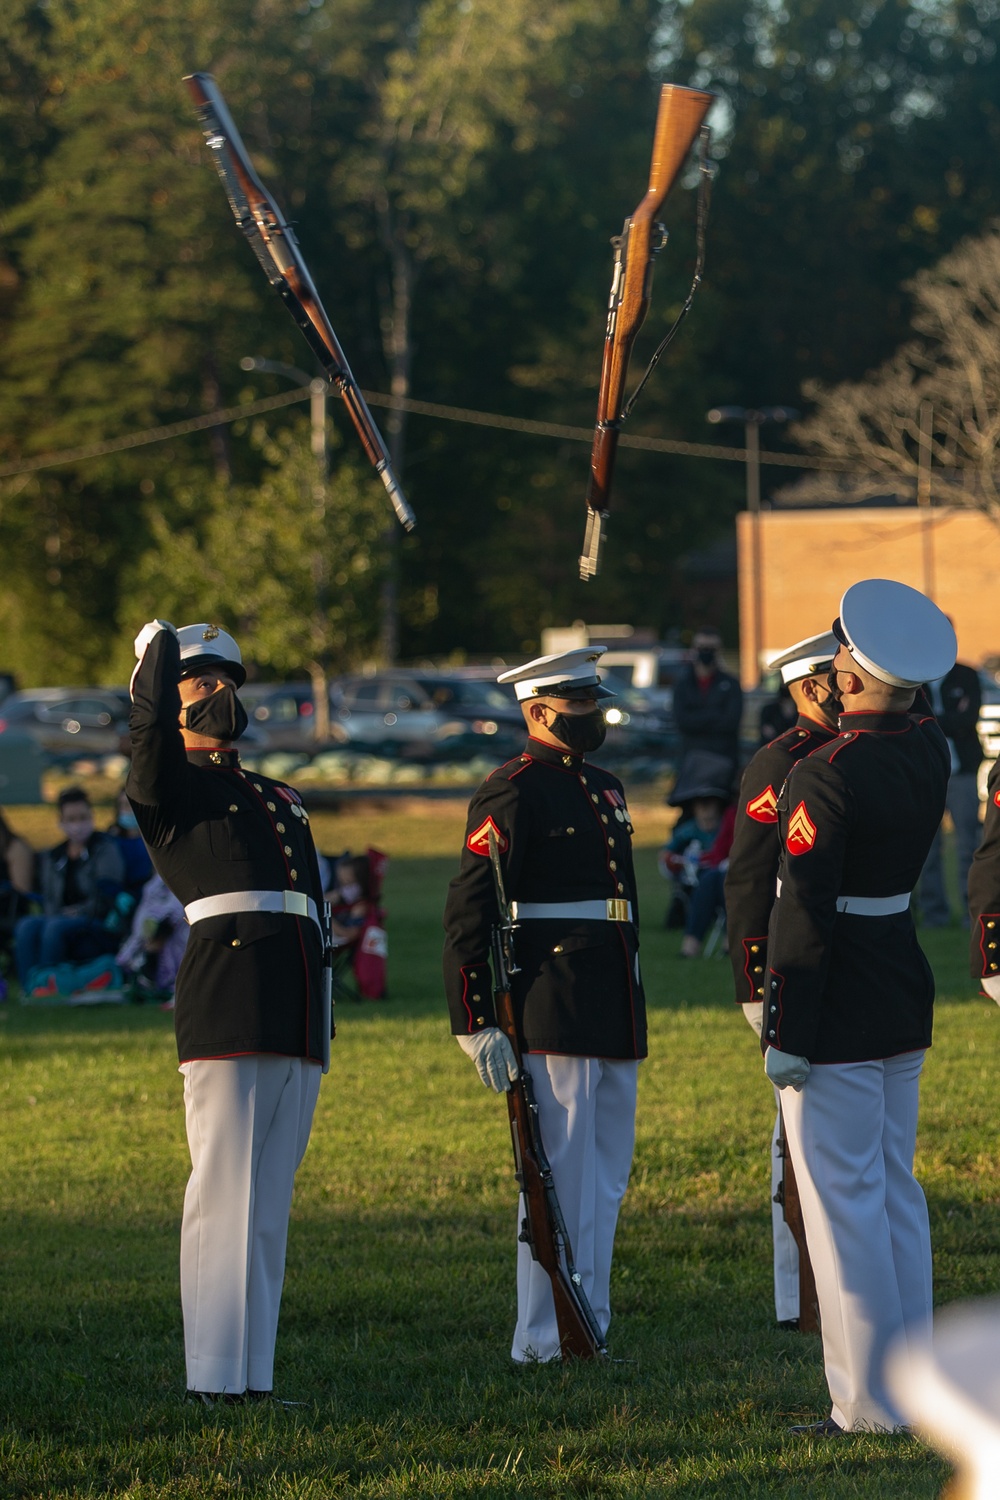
x: 69, y: 722
x: 426, y: 713
x: 653, y: 670
x: 636, y: 726
x: 283, y: 716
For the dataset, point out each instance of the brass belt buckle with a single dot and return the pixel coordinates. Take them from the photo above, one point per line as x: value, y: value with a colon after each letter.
x: 617, y: 910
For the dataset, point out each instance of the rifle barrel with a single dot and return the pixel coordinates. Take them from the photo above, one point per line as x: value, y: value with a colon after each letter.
x: 278, y: 251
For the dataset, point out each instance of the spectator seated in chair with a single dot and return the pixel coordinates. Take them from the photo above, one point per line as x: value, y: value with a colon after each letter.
x: 358, y: 922
x: 152, y: 952
x: 135, y: 856
x: 703, y: 792
x: 17, y: 873
x: 80, y: 881
x: 707, y: 904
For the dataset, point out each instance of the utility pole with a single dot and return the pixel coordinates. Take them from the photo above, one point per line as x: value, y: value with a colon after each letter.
x: 753, y: 418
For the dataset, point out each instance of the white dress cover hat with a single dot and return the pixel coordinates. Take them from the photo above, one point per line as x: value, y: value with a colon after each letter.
x: 896, y: 633
x: 203, y: 646
x: 814, y: 654
x: 568, y: 674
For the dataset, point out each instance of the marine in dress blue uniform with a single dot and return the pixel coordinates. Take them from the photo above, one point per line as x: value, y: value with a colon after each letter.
x: 236, y: 849
x: 849, y: 1002
x: 751, y: 882
x: 564, y: 833
x: 984, y: 895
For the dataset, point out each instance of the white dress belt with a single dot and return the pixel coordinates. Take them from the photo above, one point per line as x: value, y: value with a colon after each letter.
x: 874, y: 906
x: 870, y: 906
x: 612, y: 910
x: 295, y: 903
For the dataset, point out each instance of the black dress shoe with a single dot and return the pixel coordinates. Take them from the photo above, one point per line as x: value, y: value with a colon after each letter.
x: 217, y: 1398
x: 826, y: 1428
x: 791, y: 1324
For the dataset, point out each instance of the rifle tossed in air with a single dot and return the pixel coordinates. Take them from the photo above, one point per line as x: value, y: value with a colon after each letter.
x: 278, y: 251
x: 678, y: 121
x: 543, y: 1228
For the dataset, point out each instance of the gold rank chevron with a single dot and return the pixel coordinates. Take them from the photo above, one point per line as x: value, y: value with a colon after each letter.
x: 801, y: 831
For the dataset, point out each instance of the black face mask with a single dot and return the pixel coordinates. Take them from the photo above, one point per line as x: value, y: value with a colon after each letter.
x: 706, y: 655
x: 580, y: 733
x: 836, y: 705
x: 220, y: 716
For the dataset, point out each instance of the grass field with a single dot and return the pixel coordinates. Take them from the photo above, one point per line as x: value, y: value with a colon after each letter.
x: 399, y: 1295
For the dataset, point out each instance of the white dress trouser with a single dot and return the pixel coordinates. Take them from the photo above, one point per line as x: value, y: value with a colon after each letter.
x: 852, y: 1131
x: 586, y: 1115
x: 786, y: 1252
x: 248, y: 1121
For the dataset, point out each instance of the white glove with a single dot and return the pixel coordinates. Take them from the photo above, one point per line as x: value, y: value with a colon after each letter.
x: 148, y: 633
x: 991, y: 984
x: 493, y: 1056
x: 785, y: 1070
x: 754, y: 1012
x: 146, y: 636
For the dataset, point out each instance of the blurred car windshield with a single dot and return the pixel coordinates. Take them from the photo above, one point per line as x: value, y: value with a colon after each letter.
x: 456, y: 690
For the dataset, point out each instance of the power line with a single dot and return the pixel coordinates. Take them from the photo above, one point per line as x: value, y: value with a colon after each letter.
x: 227, y: 415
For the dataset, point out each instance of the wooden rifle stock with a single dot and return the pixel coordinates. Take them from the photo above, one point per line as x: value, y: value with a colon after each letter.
x: 678, y: 121
x: 788, y: 1197
x: 277, y: 249
x: 543, y: 1228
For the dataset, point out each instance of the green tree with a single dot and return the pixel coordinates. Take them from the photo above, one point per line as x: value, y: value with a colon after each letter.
x: 296, y: 580
x: 928, y: 420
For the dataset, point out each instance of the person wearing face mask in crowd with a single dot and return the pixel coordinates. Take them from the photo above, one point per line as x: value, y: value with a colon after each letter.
x: 237, y: 851
x: 751, y: 883
x: 563, y: 832
x: 135, y: 855
x: 79, y: 881
x: 708, y: 704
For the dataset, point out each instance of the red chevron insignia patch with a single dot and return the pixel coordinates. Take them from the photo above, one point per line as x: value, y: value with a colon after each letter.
x: 996, y: 798
x: 764, y: 808
x: 479, y: 842
x: 801, y: 831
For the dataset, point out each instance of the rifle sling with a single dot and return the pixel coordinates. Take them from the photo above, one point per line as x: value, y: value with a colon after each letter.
x: 707, y: 172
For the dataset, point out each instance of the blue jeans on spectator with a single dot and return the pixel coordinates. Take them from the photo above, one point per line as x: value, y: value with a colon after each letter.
x: 932, y: 896
x: 707, y: 900
x: 44, y: 940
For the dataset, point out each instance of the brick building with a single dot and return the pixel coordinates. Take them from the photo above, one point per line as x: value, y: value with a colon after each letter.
x: 809, y: 557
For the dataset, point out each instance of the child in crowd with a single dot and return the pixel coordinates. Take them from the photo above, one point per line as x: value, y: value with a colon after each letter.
x: 358, y: 920
x: 152, y: 952
x: 348, y: 897
x: 696, y: 855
